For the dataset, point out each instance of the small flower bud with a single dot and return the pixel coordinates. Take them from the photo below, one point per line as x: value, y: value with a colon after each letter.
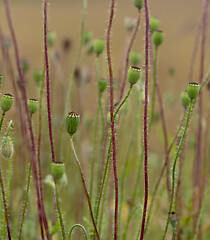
x: 193, y: 90
x: 102, y: 84
x: 51, y: 37
x: 38, y: 77
x: 184, y: 100
x: 139, y: 4
x: 157, y: 37
x: 7, y: 147
x: 87, y: 36
x: 135, y: 58
x: 154, y: 24
x: 72, y: 122
x: 6, y: 102
x: 32, y: 106
x: 98, y: 46
x: 130, y: 23
x: 57, y: 169
x: 133, y: 74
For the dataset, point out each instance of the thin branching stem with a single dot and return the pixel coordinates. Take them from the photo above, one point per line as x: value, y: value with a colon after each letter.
x: 78, y: 226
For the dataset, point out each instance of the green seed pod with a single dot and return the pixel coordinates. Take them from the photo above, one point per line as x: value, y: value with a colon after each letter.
x: 98, y: 46
x: 184, y: 100
x: 157, y: 37
x: 38, y: 77
x: 193, y: 90
x: 154, y: 24
x: 86, y: 37
x: 102, y: 84
x: 51, y: 37
x: 57, y: 170
x: 133, y: 75
x: 135, y: 58
x: 72, y: 122
x: 25, y: 65
x: 1, y: 79
x: 130, y: 23
x: 6, y: 102
x: 7, y: 148
x: 32, y: 106
x: 139, y: 4
x: 90, y: 49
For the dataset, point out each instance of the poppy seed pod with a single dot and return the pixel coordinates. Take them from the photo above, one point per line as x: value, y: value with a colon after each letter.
x: 157, y: 37
x: 133, y: 74
x: 185, y: 100
x: 32, y: 106
x: 139, y: 4
x: 193, y: 90
x: 57, y: 170
x: 72, y: 122
x: 6, y: 102
x: 7, y: 147
x: 51, y: 37
x: 98, y: 46
x: 134, y: 58
x: 154, y: 24
x: 102, y: 84
x: 86, y: 37
x: 38, y: 77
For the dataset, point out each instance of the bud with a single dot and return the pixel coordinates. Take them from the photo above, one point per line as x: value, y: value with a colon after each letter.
x: 184, y: 100
x: 102, y: 84
x: 139, y: 4
x: 7, y: 147
x: 25, y: 65
x: 57, y: 169
x: 51, y: 37
x: 193, y: 90
x: 72, y: 122
x: 133, y: 75
x: 154, y: 24
x: 86, y: 37
x: 130, y: 23
x: 135, y: 58
x: 98, y: 46
x: 157, y: 37
x: 38, y: 77
x: 6, y: 102
x: 32, y: 106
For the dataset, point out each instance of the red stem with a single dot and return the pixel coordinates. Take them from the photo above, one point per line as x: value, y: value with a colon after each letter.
x: 112, y: 118
x: 48, y: 81
x: 32, y: 150
x: 145, y: 120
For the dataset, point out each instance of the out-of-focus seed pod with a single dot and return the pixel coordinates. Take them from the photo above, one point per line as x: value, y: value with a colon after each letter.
x: 138, y: 3
x: 102, y: 84
x: 185, y: 100
x: 157, y: 37
x: 38, y: 77
x: 51, y: 38
x: 57, y: 170
x: 6, y: 102
x: 72, y: 122
x: 86, y: 37
x: 134, y: 58
x: 130, y: 23
x: 32, y: 106
x: 133, y: 74
x: 25, y: 65
x: 98, y: 46
x: 193, y: 90
x: 7, y: 148
x: 154, y: 24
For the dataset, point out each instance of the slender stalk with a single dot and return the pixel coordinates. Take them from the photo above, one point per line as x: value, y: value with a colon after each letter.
x: 145, y: 120
x: 2, y: 119
x: 79, y: 226
x: 5, y: 205
x: 59, y: 211
x: 174, y: 166
x: 84, y: 187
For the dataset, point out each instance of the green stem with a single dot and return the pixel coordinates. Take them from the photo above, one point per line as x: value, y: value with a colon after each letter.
x: 2, y: 119
x: 174, y: 167
x: 59, y: 211
x: 84, y: 187
x: 206, y: 79
x: 79, y: 226
x: 162, y: 171
x: 154, y: 89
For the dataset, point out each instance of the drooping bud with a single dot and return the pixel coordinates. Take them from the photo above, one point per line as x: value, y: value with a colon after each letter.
x: 157, y: 37
x: 133, y: 74
x: 185, y: 100
x: 98, y: 46
x: 193, y: 90
x: 6, y: 102
x: 72, y: 122
x: 7, y: 148
x: 154, y: 24
x: 57, y: 169
x: 32, y: 106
